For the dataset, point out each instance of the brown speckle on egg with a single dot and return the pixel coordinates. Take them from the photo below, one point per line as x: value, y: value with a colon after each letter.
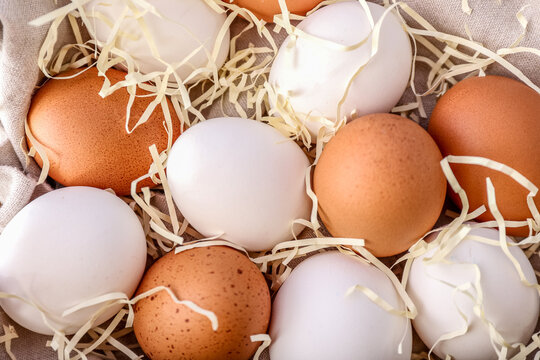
x: 188, y: 334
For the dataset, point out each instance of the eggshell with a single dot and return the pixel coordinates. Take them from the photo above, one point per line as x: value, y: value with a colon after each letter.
x: 379, y: 179
x: 509, y: 305
x: 266, y: 9
x: 497, y: 118
x: 177, y: 30
x: 241, y: 180
x: 85, y: 136
x: 66, y: 247
x: 312, y: 318
x: 314, y: 76
x: 215, y: 278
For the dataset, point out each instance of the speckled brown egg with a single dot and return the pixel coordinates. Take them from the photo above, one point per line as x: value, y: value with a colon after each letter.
x: 216, y: 278
x: 85, y: 136
x: 380, y: 179
x: 266, y: 9
x: 496, y: 118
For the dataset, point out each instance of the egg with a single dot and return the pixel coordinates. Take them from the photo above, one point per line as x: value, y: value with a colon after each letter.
x: 313, y: 76
x: 85, y: 137
x: 379, y: 179
x: 266, y: 9
x: 508, y: 304
x: 313, y: 318
x: 497, y: 118
x: 186, y: 30
x: 215, y: 278
x: 241, y: 180
x: 66, y: 247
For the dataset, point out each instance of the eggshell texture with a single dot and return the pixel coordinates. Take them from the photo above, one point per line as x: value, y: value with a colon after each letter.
x: 241, y: 180
x: 177, y: 30
x: 69, y: 246
x: 215, y: 278
x: 266, y: 9
x: 380, y: 179
x: 85, y: 135
x: 314, y: 76
x: 313, y: 318
x: 497, y: 118
x: 509, y: 305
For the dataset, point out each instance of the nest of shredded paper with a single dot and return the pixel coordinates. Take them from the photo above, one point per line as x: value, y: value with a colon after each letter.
x: 245, y: 75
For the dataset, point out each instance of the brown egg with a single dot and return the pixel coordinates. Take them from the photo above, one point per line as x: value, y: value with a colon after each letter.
x: 496, y: 118
x: 85, y: 136
x: 380, y: 179
x: 215, y: 278
x: 266, y: 9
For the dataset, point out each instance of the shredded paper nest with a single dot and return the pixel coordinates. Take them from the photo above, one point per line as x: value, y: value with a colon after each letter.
x: 242, y: 82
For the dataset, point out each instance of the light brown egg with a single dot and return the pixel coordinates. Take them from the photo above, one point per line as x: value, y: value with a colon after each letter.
x: 215, y: 278
x: 380, y: 179
x: 85, y: 136
x: 266, y: 9
x: 497, y: 118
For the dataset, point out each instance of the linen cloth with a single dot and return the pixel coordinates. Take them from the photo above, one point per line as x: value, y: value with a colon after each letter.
x: 492, y: 23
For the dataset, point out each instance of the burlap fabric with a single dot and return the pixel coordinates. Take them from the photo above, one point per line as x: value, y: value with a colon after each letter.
x: 493, y: 24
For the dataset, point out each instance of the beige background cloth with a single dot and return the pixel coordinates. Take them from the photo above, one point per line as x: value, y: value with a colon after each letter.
x: 493, y: 24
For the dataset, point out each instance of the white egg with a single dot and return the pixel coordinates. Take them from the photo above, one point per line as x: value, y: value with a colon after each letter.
x: 241, y: 180
x: 66, y: 247
x: 314, y: 76
x: 312, y: 318
x: 509, y: 305
x: 182, y: 28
